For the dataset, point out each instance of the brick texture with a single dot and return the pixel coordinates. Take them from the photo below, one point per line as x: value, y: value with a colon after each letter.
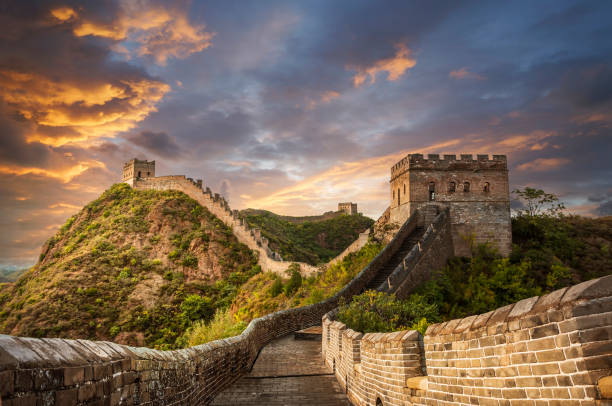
x: 549, y: 350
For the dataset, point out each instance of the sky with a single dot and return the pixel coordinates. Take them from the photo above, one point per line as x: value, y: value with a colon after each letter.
x: 293, y: 106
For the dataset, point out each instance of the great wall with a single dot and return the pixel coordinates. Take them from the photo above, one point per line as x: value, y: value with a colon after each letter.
x: 549, y: 350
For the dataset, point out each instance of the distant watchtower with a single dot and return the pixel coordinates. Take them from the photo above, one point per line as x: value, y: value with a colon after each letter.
x: 137, y: 169
x: 348, y: 208
x: 475, y: 190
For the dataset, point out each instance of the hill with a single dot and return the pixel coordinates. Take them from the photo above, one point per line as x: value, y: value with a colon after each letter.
x: 311, y: 239
x: 135, y: 267
x: 10, y: 275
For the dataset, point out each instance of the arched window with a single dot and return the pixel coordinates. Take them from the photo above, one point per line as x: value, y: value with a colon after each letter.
x: 148, y: 173
x: 486, y: 188
x: 394, y: 194
x: 404, y: 189
x: 398, y: 196
x: 452, y: 186
x: 379, y: 402
x: 139, y: 175
x: 432, y: 191
x: 466, y: 186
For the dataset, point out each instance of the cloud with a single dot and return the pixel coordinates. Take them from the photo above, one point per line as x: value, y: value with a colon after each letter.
x: 395, y: 67
x: 80, y: 110
x: 463, y: 73
x: 159, y: 143
x: 161, y: 31
x: 323, y: 98
x: 543, y: 164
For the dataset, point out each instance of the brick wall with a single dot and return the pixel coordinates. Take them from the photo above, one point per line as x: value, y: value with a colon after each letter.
x: 485, y: 214
x: 267, y: 259
x: 80, y: 372
x: 542, y: 351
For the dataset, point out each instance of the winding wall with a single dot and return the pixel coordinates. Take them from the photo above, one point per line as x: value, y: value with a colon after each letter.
x: 217, y: 205
x: 80, y: 372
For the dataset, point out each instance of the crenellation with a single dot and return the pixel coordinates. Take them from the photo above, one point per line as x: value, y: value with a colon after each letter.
x: 475, y: 191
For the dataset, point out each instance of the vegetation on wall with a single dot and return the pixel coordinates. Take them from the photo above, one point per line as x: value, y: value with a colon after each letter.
x: 313, y: 240
x: 550, y: 251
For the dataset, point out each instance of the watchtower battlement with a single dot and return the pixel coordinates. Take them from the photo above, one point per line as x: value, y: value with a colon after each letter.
x: 137, y: 169
x: 349, y: 208
x: 475, y: 189
x: 449, y: 162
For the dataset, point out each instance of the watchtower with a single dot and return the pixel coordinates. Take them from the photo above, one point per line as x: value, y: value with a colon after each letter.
x: 348, y: 208
x: 475, y: 190
x: 137, y: 169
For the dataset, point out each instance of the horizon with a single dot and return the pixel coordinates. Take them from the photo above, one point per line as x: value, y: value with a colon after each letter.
x: 293, y: 107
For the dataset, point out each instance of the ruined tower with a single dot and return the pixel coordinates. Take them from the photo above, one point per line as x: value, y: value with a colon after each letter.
x: 137, y: 169
x: 475, y: 190
x: 348, y: 208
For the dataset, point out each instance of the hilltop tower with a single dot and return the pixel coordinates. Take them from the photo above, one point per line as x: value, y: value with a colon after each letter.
x: 476, y: 192
x: 348, y: 208
x: 137, y: 169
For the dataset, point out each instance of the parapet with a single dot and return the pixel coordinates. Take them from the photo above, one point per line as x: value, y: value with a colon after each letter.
x: 449, y: 162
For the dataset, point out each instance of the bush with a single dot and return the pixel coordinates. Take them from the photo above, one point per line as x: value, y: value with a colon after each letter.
x: 221, y: 326
x: 374, y: 311
x: 190, y: 261
x: 277, y: 287
x: 196, y: 307
x: 295, y: 280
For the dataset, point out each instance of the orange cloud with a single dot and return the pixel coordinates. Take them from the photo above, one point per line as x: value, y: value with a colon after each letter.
x: 324, y: 98
x: 463, y: 73
x: 86, y: 110
x: 364, y: 181
x: 543, y: 164
x: 162, y: 32
x: 63, y: 174
x: 63, y: 13
x: 395, y: 67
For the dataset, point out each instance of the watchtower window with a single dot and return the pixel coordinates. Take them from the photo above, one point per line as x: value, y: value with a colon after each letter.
x: 148, y: 173
x: 466, y: 186
x: 432, y: 191
x: 393, y: 194
x: 452, y: 187
x: 139, y: 175
x: 404, y: 189
x: 398, y: 197
x: 486, y: 188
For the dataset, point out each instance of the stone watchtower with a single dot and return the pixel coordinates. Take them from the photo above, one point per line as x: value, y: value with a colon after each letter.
x: 137, y: 169
x: 476, y: 192
x: 348, y: 208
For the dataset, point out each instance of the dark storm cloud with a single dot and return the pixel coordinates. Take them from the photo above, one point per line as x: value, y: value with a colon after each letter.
x: 158, y: 143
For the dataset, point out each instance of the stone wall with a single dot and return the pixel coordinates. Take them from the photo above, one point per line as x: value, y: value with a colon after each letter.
x: 217, y: 205
x: 354, y: 247
x: 482, y: 209
x: 427, y: 255
x: 550, y: 350
x: 80, y: 372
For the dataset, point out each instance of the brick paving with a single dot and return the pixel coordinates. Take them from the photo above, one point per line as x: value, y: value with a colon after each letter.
x: 287, y: 372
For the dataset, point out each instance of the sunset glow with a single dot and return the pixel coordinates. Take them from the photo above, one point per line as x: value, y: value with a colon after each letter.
x: 294, y: 106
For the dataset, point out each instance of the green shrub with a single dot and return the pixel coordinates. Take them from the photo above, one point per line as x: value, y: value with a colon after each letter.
x: 196, y: 307
x: 374, y: 311
x: 295, y: 280
x: 221, y: 326
x: 174, y: 254
x: 114, y: 330
x: 190, y: 261
x: 277, y: 287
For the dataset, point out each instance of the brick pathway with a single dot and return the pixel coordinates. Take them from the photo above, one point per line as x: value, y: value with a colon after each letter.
x: 287, y: 372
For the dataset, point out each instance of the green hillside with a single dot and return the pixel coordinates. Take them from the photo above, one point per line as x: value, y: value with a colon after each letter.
x: 314, y: 239
x: 10, y: 275
x: 135, y: 267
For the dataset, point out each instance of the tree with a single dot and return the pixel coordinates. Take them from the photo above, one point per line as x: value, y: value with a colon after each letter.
x: 538, y: 203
